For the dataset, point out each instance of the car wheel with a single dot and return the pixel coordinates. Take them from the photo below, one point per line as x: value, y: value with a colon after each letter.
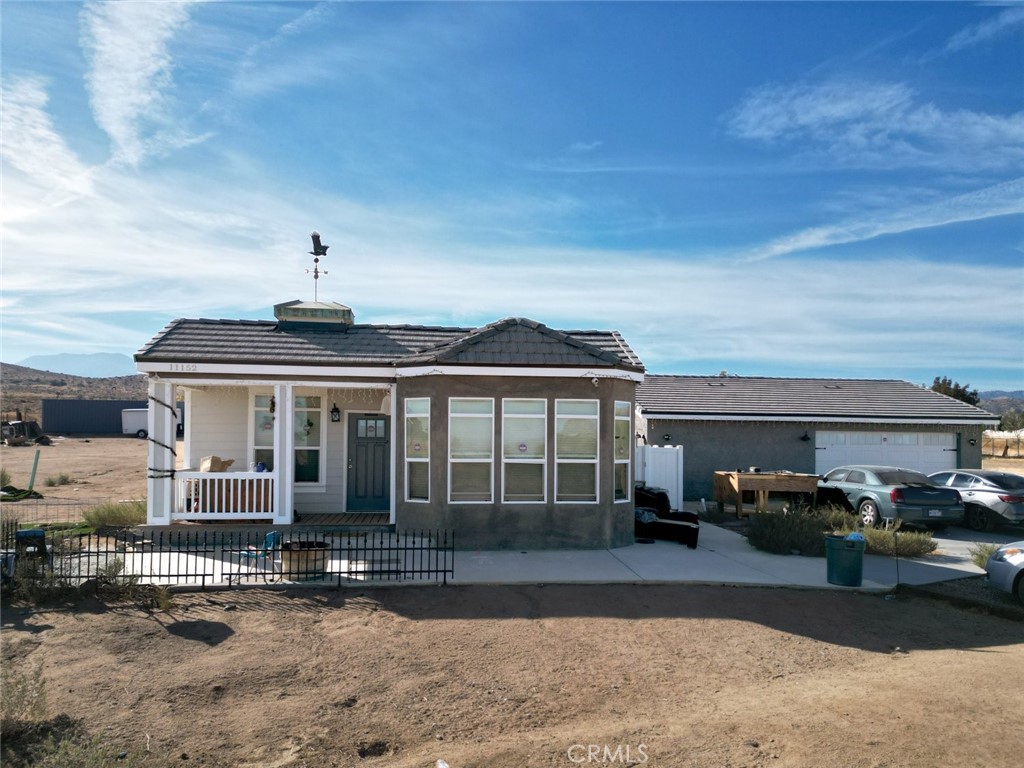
x: 142, y: 434
x: 978, y: 518
x: 868, y: 512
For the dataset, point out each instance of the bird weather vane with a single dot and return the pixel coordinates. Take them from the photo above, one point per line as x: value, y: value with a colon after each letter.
x: 318, y: 250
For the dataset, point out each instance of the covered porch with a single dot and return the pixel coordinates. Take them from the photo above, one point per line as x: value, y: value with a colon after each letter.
x: 271, y: 451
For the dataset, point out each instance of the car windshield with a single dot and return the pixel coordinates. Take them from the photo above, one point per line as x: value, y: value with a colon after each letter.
x: 903, y: 477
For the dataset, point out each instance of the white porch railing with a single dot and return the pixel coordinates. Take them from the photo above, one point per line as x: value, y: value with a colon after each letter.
x: 223, y: 495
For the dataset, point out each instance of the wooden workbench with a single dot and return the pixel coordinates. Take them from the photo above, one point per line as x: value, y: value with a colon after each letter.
x: 729, y: 487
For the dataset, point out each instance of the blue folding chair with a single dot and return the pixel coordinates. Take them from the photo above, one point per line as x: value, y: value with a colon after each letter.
x: 263, y: 558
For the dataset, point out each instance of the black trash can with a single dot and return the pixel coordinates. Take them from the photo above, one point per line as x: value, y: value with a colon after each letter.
x: 31, y: 543
x: 844, y: 559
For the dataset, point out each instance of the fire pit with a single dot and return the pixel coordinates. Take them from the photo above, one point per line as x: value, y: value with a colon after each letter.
x: 303, y: 560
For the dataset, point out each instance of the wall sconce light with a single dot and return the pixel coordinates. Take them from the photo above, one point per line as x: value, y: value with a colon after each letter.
x: 666, y: 437
x: 805, y: 437
x: 972, y: 441
x: 335, y: 413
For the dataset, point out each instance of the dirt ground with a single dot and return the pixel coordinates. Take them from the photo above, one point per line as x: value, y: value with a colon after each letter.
x: 515, y: 676
x: 534, y: 676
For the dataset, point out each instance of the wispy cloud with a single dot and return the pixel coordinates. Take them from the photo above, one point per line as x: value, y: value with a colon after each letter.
x: 877, y: 124
x: 130, y: 68
x: 32, y: 145
x: 984, y: 31
x: 999, y: 200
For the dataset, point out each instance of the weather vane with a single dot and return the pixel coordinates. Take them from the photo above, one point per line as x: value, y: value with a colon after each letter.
x: 318, y: 250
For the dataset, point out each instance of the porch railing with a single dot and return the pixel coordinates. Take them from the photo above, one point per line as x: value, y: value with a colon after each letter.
x: 223, y: 495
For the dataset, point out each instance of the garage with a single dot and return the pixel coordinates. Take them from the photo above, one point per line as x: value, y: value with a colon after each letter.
x: 924, y: 451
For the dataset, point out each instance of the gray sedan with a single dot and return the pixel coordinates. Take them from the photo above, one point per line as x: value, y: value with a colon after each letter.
x: 991, y: 497
x: 1005, y: 569
x: 879, y: 493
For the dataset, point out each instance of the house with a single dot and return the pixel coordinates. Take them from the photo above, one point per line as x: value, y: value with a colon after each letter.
x: 805, y: 425
x: 510, y: 435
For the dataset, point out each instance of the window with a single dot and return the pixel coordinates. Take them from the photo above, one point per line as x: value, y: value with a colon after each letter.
x: 524, y: 429
x: 307, y: 437
x: 263, y: 431
x: 623, y: 449
x: 576, y: 431
x: 470, y: 449
x: 417, y: 449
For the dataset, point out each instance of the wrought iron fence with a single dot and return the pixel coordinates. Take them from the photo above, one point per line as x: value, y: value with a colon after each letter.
x: 203, y: 558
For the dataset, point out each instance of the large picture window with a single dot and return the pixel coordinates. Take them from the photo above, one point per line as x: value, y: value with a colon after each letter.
x: 417, y: 449
x: 524, y: 450
x: 307, y: 438
x: 470, y: 449
x: 576, y: 439
x: 623, y: 449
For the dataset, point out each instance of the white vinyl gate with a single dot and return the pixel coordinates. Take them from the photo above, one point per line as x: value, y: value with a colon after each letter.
x: 924, y: 451
x: 661, y: 466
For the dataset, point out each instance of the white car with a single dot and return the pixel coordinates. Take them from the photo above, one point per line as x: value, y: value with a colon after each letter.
x: 1005, y: 569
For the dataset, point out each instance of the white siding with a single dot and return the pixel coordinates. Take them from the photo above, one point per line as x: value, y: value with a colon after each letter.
x: 219, y: 419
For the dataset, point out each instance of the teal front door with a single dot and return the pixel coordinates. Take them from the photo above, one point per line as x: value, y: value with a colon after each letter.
x: 369, y: 456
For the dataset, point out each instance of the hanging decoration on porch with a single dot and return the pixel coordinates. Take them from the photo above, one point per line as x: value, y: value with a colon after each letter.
x: 318, y: 250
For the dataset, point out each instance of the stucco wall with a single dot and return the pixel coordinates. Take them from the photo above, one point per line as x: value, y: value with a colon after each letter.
x: 712, y: 446
x: 504, y: 526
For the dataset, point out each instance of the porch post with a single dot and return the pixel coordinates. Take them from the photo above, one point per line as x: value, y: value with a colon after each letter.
x: 284, y: 462
x: 160, y: 454
x: 396, y: 466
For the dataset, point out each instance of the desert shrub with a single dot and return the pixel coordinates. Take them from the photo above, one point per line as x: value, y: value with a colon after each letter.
x: 5, y: 477
x: 116, y: 515
x: 893, y: 542
x: 22, y: 699
x: 54, y: 480
x: 800, y: 531
x: 980, y: 553
x: 36, y: 584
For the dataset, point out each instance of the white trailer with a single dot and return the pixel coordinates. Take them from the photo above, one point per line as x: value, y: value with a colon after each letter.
x: 135, y: 421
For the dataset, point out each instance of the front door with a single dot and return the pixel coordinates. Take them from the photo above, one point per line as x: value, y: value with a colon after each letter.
x: 369, y: 456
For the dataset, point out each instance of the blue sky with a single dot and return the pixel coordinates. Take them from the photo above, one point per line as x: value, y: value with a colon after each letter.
x: 779, y: 189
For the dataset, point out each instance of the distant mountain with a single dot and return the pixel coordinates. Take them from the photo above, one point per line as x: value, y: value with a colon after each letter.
x: 1000, y: 402
x: 24, y: 388
x: 99, y: 365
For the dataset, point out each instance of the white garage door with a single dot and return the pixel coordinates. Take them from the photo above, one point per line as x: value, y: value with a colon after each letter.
x: 924, y: 451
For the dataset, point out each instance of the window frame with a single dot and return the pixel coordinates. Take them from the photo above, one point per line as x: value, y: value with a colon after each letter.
x: 405, y: 447
x: 595, y: 461
x: 542, y: 461
x: 252, y: 447
x: 628, y: 461
x: 489, y: 461
x: 321, y: 481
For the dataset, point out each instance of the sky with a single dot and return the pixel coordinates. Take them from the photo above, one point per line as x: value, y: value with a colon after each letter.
x: 812, y: 189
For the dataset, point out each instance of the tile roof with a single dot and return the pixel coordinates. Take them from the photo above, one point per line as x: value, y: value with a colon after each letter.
x: 511, y: 342
x: 818, y: 399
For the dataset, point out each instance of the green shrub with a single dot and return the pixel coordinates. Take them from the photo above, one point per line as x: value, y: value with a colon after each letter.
x: 980, y: 553
x: 800, y: 531
x: 117, y: 515
x: 5, y: 477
